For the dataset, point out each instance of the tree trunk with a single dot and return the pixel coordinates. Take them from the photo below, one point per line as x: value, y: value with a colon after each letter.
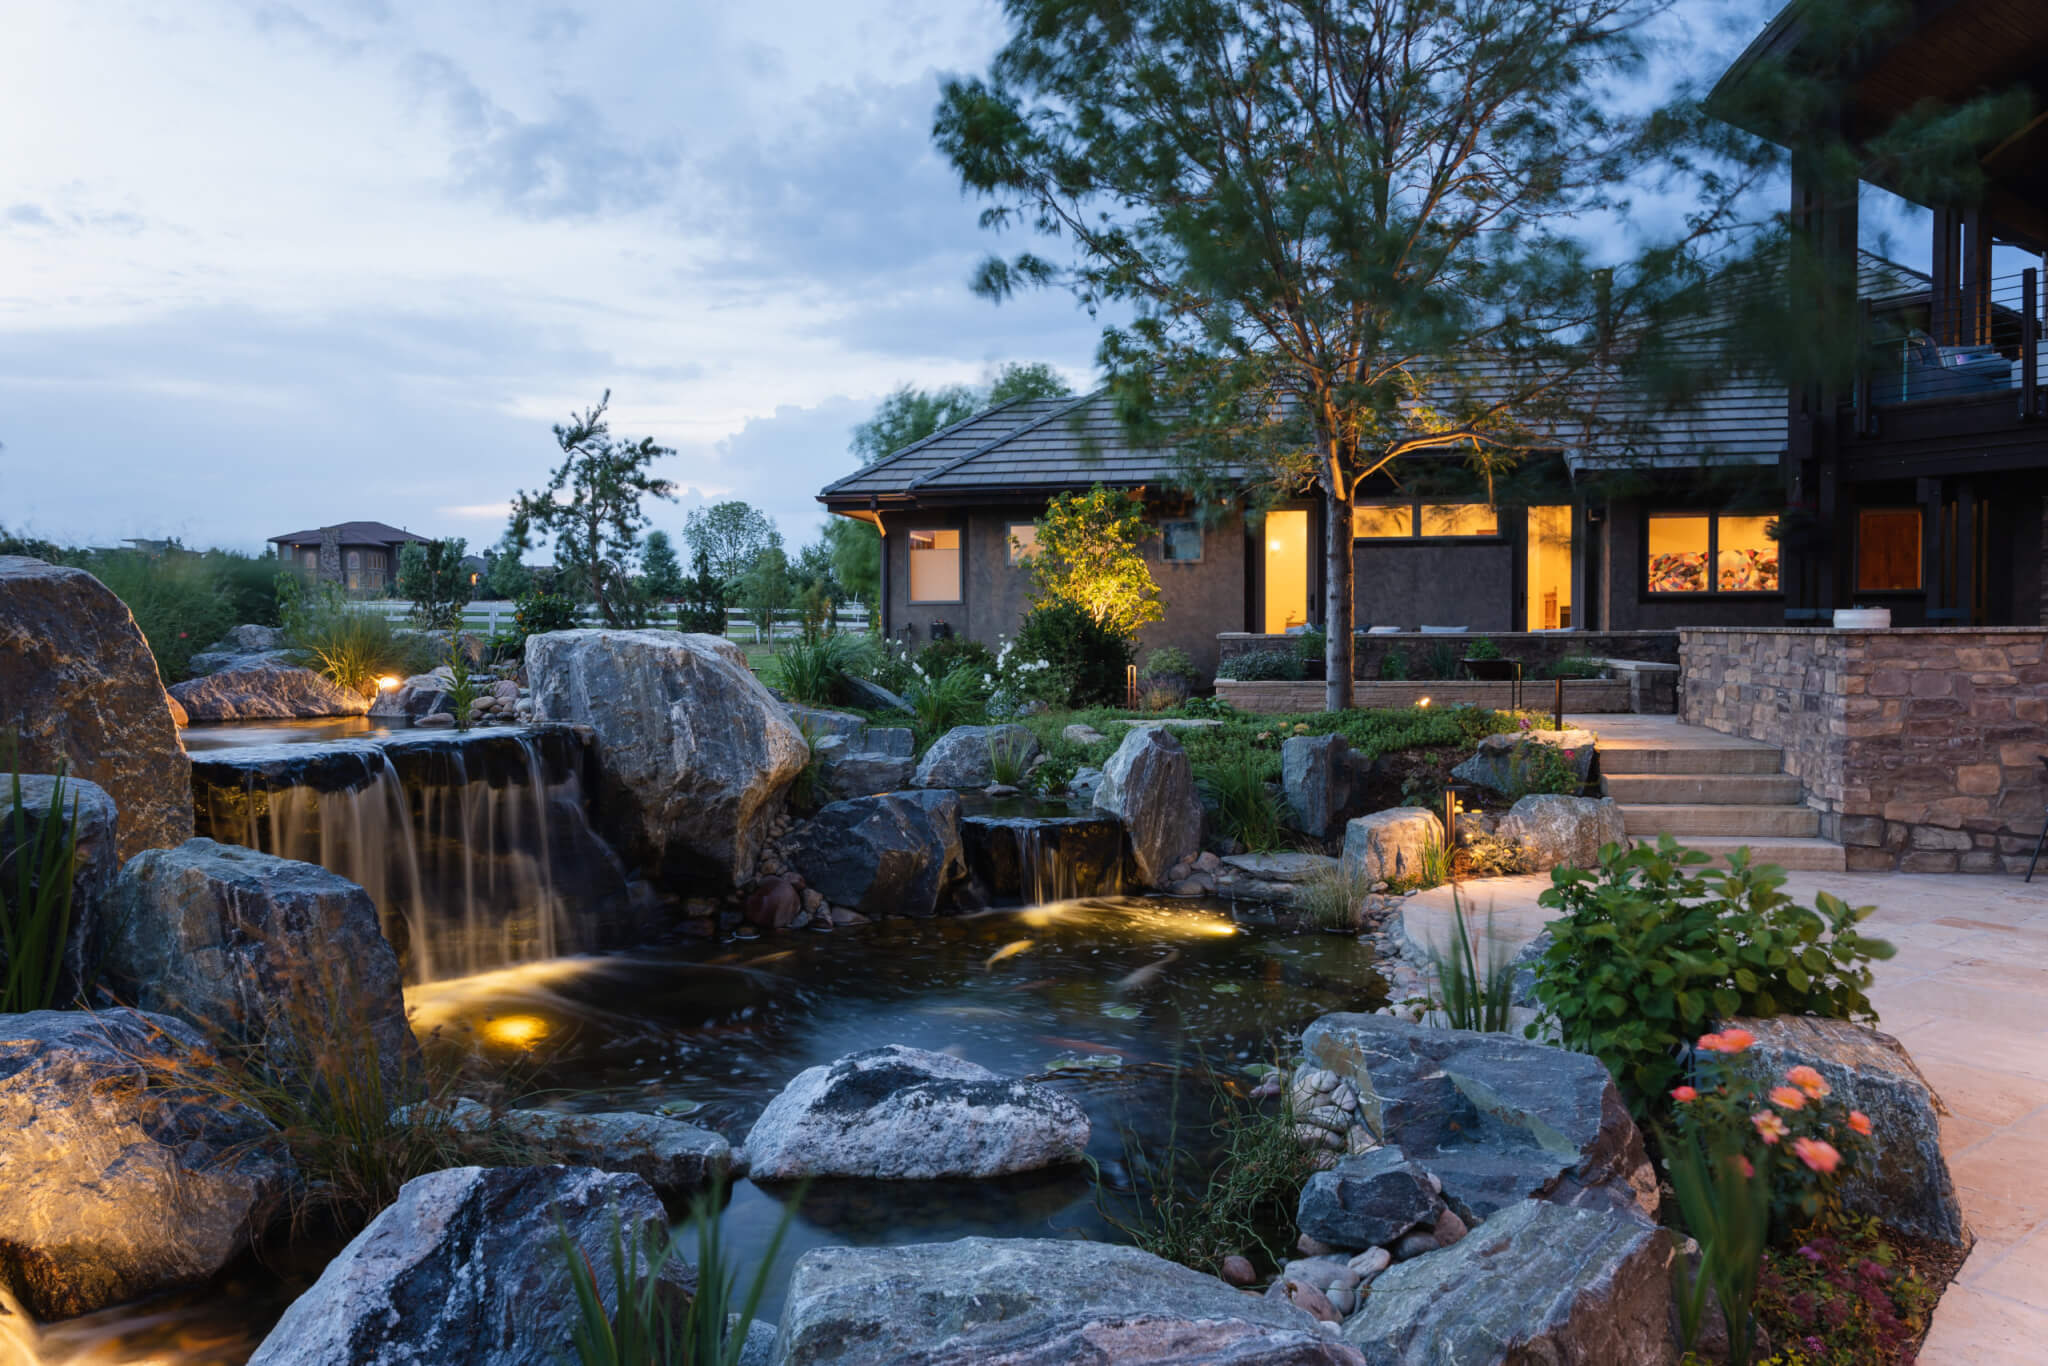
x: 1337, y: 651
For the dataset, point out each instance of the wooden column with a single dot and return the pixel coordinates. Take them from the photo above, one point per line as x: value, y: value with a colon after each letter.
x: 1945, y: 268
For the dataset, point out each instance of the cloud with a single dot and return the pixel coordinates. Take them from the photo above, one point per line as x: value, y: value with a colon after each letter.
x: 30, y: 215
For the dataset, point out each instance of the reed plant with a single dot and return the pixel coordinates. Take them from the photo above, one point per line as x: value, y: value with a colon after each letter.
x: 1234, y: 787
x: 1332, y: 898
x: 35, y: 901
x: 1006, y: 758
x: 813, y: 671
x: 1469, y: 995
x: 957, y: 698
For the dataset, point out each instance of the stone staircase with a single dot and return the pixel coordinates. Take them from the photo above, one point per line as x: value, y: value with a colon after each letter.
x: 1714, y: 793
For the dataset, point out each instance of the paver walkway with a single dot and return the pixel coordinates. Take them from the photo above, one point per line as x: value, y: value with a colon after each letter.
x: 1968, y: 995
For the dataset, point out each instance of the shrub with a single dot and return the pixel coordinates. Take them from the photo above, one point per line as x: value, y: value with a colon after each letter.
x: 350, y: 646
x: 1215, y: 707
x: 941, y: 657
x: 1169, y: 661
x: 702, y: 608
x: 1312, y: 645
x: 1541, y: 768
x: 1087, y: 660
x: 177, y: 599
x: 1842, y: 1294
x: 1576, y: 666
x: 1245, y: 808
x: 1444, y: 660
x: 35, y: 903
x: 541, y: 611
x: 1482, y: 647
x: 939, y: 704
x: 1654, y: 946
x: 1261, y: 666
x: 814, y: 671
x: 1394, y: 664
x: 1088, y: 560
x: 431, y: 574
x: 1052, y: 774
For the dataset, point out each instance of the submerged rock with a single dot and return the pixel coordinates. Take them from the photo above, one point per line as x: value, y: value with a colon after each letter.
x: 897, y: 854
x: 1033, y: 1302
x: 114, y: 1181
x: 1149, y: 785
x: 259, y: 948
x: 95, y: 862
x: 1564, y: 832
x: 669, y: 1155
x: 1536, y: 1282
x: 1388, y: 846
x: 696, y: 754
x: 466, y: 1269
x: 965, y: 755
x: 79, y: 693
x: 904, y: 1114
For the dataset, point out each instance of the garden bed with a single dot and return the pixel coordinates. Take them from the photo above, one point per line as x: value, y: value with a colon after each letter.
x: 1286, y: 697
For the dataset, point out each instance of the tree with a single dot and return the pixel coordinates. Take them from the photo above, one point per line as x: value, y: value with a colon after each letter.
x: 765, y: 588
x: 1021, y: 380
x: 910, y: 414
x: 856, y: 548
x: 506, y: 577
x: 1344, y: 226
x: 1088, y: 556
x: 702, y: 608
x: 431, y: 574
x: 590, y: 509
x: 661, y: 573
x: 732, y: 535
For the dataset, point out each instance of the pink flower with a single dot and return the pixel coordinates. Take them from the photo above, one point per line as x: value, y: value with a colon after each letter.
x: 1768, y: 1126
x: 1860, y: 1122
x: 1684, y: 1094
x: 1808, y: 1080
x: 1788, y: 1098
x: 1817, y: 1154
x: 1743, y: 1165
x: 1727, y: 1041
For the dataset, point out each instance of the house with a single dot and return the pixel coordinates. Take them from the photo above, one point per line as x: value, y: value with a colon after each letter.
x: 362, y: 557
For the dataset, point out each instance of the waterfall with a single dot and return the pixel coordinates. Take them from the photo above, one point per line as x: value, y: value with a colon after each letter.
x: 477, y: 850
x: 1053, y: 854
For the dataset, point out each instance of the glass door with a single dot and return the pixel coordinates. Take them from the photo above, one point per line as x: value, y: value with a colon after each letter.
x: 1550, y: 568
x: 1286, y: 569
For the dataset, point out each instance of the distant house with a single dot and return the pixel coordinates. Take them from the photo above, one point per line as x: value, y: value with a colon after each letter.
x: 359, y: 556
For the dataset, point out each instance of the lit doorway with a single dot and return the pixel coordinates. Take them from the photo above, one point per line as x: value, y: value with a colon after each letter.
x: 1286, y: 569
x: 1550, y: 568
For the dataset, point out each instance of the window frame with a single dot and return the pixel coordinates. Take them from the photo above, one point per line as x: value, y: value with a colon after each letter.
x: 1713, y: 589
x: 1415, y: 535
x: 1017, y: 555
x: 1201, y: 540
x: 910, y: 553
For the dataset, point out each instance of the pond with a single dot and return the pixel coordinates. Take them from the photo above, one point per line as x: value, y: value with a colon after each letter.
x: 1122, y: 1003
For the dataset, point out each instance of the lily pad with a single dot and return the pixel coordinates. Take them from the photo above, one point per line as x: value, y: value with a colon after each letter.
x: 1227, y: 988
x: 1121, y: 1012
x: 676, y: 1109
x: 1092, y: 1062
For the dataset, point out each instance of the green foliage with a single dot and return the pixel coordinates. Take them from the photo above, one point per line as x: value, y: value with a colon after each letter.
x: 1006, y: 759
x: 1576, y: 666
x: 1444, y: 660
x: 506, y: 577
x: 1470, y: 994
x: 1261, y: 666
x: 1332, y: 898
x: 909, y: 415
x: 1482, y: 647
x: 1432, y: 867
x: 813, y: 672
x: 765, y: 588
x: 539, y: 613
x: 1052, y: 774
x: 1655, y: 946
x: 590, y: 509
x: 1088, y: 660
x: 660, y: 570
x: 940, y: 657
x: 1485, y: 855
x: 1394, y: 664
x: 1726, y: 1206
x: 1088, y: 556
x: 431, y: 574
x: 348, y: 645
x: 1844, y: 1284
x: 462, y: 687
x: 702, y: 609
x: 178, y: 599
x: 1312, y: 645
x: 856, y: 550
x: 35, y: 902
x: 1169, y: 661
x: 1541, y: 768
x: 1208, y: 707
x: 816, y: 586
x: 938, y: 704
x: 1235, y: 790
x: 731, y: 535
x: 1019, y: 379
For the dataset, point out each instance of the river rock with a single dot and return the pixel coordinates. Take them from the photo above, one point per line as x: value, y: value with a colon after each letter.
x: 1564, y: 832
x: 898, y: 854
x: 1149, y: 785
x: 696, y: 754
x: 110, y: 1191
x: 1495, y: 1119
x: 1321, y: 778
x: 95, y: 862
x: 258, y: 948
x: 465, y: 1268
x: 1367, y: 1201
x: 418, y: 696
x: 1535, y: 1283
x: 849, y: 772
x: 1388, y: 846
x: 818, y: 723
x: 669, y: 1155
x: 1904, y: 1179
x: 1502, y: 762
x: 964, y: 755
x: 79, y: 693
x: 904, y: 1114
x: 1033, y: 1302
x: 263, y: 688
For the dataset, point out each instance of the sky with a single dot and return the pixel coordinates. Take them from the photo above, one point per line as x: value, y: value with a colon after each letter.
x: 266, y: 266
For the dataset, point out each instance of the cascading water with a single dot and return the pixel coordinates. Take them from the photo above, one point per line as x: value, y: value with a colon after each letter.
x: 477, y: 849
x: 1043, y: 852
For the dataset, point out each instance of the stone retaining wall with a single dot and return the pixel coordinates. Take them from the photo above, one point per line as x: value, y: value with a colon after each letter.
x: 1537, y: 650
x: 1286, y: 696
x: 1921, y: 748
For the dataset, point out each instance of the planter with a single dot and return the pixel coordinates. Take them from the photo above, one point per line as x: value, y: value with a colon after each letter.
x: 1492, y: 670
x: 1863, y: 618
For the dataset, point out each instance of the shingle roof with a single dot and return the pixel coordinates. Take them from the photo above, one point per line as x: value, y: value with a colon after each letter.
x: 351, y: 533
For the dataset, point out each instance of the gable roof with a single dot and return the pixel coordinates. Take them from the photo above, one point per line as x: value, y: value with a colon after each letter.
x: 351, y: 533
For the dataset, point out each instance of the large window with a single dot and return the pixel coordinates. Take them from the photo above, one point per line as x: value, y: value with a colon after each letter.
x: 1394, y: 521
x: 355, y: 570
x: 1710, y: 552
x: 1286, y: 570
x: 1550, y: 568
x: 1888, y: 550
x: 935, y: 566
x: 1023, y: 540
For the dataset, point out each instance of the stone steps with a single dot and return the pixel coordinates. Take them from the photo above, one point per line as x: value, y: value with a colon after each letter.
x: 1787, y: 822
x: 1694, y: 789
x: 1636, y: 759
x: 1808, y: 855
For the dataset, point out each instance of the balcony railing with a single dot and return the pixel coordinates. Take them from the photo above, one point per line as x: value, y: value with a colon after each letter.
x: 1912, y: 365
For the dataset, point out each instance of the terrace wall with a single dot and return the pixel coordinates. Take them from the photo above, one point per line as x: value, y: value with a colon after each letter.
x: 1537, y: 650
x: 1921, y: 748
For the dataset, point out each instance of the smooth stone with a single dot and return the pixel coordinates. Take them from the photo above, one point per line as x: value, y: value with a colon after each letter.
x: 1388, y: 846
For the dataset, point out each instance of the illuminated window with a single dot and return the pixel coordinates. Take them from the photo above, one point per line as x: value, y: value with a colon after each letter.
x: 1180, y: 542
x: 355, y: 569
x: 375, y: 564
x: 1286, y: 569
x: 1023, y: 541
x: 935, y: 566
x: 1682, y: 546
x: 1396, y: 521
x: 1888, y: 550
x: 1550, y: 568
x: 1372, y: 521
x: 1459, y: 519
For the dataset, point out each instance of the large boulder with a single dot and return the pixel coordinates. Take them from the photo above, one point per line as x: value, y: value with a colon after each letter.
x: 213, y: 661
x: 262, y: 949
x: 1563, y: 832
x: 965, y: 755
x: 872, y: 696
x: 1534, y: 1283
x: 696, y: 754
x: 847, y: 771
x: 1904, y: 1179
x: 94, y: 862
x: 903, y: 1114
x: 1504, y: 762
x: 897, y: 854
x: 265, y: 688
x: 1495, y: 1118
x: 417, y: 696
x: 79, y: 693
x: 1369, y: 1200
x: 466, y: 1268
x: 671, y: 1156
x: 121, y: 1171
x: 1026, y: 1301
x: 1323, y: 780
x: 1390, y: 846
x: 1149, y: 785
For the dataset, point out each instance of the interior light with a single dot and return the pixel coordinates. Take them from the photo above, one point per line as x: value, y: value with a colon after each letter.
x: 1273, y: 545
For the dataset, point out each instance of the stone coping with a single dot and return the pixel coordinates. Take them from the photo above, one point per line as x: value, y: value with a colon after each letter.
x: 1865, y: 631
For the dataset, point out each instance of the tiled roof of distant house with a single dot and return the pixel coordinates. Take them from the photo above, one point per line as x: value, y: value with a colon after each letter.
x: 351, y: 533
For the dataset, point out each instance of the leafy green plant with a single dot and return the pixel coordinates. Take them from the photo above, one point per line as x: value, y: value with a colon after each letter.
x: 1088, y: 560
x: 350, y: 646
x: 1312, y: 645
x: 462, y: 686
x: 1484, y: 855
x: 1394, y: 664
x: 1472, y: 995
x: 1655, y: 945
x: 1086, y: 659
x: 1482, y: 647
x: 644, y: 1327
x: 1246, y: 810
x: 431, y: 574
x: 1215, y: 708
x: 1444, y: 661
x: 1576, y: 666
x: 814, y: 671
x: 1432, y: 866
x: 939, y: 704
x: 1169, y: 661
x: 1261, y: 666
x: 1006, y: 758
x: 1332, y: 898
x: 543, y: 611
x: 1543, y: 768
x: 940, y: 657
x: 1052, y: 774
x: 35, y: 902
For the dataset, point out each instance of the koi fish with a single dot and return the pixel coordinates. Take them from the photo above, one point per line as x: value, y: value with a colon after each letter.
x: 1080, y: 1045
x: 1148, y: 975
x: 1009, y: 950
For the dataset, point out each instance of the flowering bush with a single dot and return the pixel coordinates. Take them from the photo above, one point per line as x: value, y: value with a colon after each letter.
x: 1841, y: 1298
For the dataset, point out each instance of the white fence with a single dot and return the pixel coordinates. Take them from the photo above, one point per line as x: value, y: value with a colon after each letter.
x: 493, y: 617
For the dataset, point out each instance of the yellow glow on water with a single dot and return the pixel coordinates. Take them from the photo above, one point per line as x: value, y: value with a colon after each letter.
x: 516, y: 1031
x: 436, y: 1005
